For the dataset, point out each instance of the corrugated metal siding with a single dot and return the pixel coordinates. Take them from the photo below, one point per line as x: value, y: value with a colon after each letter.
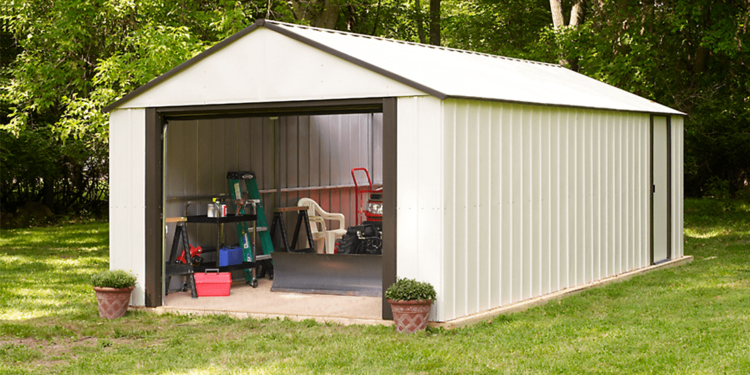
x: 314, y: 151
x: 678, y: 186
x: 127, y: 221
x: 321, y: 151
x: 420, y: 191
x: 537, y: 199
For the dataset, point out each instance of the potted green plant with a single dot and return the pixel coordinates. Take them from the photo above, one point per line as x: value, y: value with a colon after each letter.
x: 113, y: 289
x: 410, y: 301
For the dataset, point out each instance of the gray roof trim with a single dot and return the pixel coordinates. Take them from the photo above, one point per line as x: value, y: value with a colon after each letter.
x: 182, y: 66
x: 281, y: 28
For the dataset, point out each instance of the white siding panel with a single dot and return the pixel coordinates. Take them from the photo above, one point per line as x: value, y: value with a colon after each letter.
x: 484, y: 202
x: 472, y: 184
x: 545, y: 211
x: 677, y: 186
x: 506, y: 250
x: 461, y: 220
x: 449, y: 215
x: 517, y: 250
x: 567, y: 191
x: 495, y: 230
x: 127, y: 179
x: 420, y: 196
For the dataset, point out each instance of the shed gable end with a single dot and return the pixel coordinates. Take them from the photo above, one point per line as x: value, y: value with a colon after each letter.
x: 265, y: 66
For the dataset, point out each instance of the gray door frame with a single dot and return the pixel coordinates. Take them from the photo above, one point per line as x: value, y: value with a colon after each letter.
x: 156, y: 119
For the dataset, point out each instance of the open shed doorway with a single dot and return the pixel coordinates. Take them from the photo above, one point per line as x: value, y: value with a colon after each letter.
x: 293, y: 157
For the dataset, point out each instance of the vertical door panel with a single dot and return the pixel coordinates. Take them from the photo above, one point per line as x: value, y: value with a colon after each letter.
x: 659, y: 162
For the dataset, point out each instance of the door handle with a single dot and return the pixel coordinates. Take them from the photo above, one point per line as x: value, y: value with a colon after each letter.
x: 653, y: 188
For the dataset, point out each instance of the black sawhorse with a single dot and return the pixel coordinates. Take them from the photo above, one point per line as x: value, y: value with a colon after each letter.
x: 174, y: 268
x: 301, y: 217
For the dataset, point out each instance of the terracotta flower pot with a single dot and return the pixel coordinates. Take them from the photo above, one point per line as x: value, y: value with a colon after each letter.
x: 410, y: 316
x: 113, y: 302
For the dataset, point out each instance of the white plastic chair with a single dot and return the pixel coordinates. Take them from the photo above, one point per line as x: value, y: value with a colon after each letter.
x: 318, y: 216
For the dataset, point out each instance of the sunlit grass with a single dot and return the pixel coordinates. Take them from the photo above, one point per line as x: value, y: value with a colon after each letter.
x: 690, y: 319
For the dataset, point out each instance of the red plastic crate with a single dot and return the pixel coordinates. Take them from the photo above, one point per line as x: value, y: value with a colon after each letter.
x: 213, y: 283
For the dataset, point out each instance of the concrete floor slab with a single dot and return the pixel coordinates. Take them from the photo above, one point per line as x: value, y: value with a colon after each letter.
x: 260, y: 302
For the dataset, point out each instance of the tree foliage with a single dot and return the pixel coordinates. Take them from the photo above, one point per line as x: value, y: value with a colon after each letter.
x: 62, y: 61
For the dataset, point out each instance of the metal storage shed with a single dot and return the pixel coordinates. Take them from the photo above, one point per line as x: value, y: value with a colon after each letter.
x: 506, y: 179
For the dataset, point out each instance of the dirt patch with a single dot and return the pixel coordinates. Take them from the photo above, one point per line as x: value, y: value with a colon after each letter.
x: 60, y: 351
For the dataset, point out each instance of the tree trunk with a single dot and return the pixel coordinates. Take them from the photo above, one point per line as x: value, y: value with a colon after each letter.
x: 319, y: 13
x: 576, y: 13
x: 418, y: 16
x: 557, y: 16
x: 435, y: 22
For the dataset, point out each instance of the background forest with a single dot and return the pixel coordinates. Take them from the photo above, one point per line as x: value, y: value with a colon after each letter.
x: 62, y: 61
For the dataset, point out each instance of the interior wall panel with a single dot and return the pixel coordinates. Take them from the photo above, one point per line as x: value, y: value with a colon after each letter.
x: 567, y: 188
x: 200, y: 152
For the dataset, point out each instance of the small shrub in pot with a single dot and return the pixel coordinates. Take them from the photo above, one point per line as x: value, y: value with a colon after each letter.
x: 410, y: 301
x: 113, y: 279
x: 113, y: 289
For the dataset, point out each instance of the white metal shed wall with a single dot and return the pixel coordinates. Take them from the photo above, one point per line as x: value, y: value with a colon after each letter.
x: 419, y: 204
x: 127, y: 196
x: 678, y: 186
x: 539, y: 199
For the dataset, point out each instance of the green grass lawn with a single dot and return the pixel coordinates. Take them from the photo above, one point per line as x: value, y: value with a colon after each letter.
x: 690, y: 319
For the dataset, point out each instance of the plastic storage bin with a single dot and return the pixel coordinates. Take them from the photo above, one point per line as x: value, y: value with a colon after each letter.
x: 213, y: 283
x: 229, y: 256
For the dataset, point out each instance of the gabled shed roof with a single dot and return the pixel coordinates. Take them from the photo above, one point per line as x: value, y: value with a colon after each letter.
x: 445, y: 72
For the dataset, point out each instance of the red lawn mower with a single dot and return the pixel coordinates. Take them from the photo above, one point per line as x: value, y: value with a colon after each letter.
x: 374, y: 209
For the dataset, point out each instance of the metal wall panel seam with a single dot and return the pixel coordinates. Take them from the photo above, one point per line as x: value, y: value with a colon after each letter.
x: 626, y: 197
x: 546, y: 145
x: 507, y: 206
x: 583, y: 173
x: 557, y: 249
x: 565, y: 211
x: 526, y: 204
x: 590, y: 198
x: 619, y: 184
x: 536, y: 184
x: 472, y: 212
x: 518, y: 208
x: 575, y: 189
x: 466, y: 211
x: 441, y: 193
x: 452, y: 209
x: 496, y: 205
x: 638, y: 194
x: 484, y: 153
x: 598, y: 198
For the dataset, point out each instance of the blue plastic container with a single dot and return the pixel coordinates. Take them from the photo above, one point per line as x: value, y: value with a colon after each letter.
x: 230, y: 255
